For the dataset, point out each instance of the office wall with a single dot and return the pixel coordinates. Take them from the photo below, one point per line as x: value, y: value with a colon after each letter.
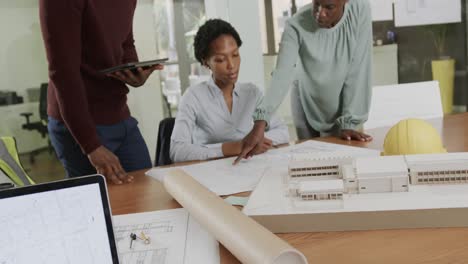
x: 23, y: 62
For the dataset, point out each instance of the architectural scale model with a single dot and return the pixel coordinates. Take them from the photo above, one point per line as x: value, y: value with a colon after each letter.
x: 329, y: 177
x: 336, y: 191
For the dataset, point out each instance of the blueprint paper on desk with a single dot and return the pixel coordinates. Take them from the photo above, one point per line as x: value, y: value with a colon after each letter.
x: 175, y: 238
x: 313, y: 146
x: 222, y: 178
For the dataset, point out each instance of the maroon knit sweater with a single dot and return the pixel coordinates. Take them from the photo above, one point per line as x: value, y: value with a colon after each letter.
x: 81, y: 38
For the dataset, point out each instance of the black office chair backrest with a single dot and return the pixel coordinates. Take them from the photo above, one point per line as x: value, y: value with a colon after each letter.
x: 163, y: 145
x: 43, y: 102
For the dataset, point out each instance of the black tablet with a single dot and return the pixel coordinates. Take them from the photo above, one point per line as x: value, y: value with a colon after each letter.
x: 134, y: 65
x: 59, y: 222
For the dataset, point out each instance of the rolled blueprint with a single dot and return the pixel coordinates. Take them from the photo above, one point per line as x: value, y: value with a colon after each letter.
x: 243, y: 237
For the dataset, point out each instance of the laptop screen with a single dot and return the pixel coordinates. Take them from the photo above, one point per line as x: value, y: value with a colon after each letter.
x: 61, y: 222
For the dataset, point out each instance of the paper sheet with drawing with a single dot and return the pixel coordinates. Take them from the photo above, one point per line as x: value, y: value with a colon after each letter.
x: 175, y: 237
x: 222, y: 178
x: 382, y: 10
x: 392, y: 103
x: 427, y: 12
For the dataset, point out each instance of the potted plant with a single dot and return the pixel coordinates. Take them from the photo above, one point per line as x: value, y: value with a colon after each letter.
x: 443, y: 67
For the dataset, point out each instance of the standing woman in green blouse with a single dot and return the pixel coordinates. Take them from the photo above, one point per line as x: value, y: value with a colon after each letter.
x: 326, y: 55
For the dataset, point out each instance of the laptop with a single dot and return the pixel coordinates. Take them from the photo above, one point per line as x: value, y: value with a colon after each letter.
x: 66, y: 221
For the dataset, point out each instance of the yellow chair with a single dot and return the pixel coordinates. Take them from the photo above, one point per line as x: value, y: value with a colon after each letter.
x: 10, y: 163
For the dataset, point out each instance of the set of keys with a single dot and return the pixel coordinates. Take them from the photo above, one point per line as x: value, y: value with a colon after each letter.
x: 142, y: 237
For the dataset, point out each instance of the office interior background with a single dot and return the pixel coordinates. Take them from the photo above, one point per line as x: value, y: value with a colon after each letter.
x: 166, y: 28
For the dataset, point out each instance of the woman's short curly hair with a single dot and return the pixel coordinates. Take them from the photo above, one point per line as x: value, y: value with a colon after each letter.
x: 210, y: 31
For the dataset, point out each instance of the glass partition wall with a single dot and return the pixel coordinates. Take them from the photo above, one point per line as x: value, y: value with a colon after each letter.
x: 176, y: 23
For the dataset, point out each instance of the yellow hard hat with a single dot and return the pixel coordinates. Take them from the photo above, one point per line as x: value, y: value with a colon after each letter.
x: 412, y: 136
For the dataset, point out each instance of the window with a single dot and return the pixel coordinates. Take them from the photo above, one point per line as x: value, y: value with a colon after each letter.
x: 174, y: 39
x: 273, y: 15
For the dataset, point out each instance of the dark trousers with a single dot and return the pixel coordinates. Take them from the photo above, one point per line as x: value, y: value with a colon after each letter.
x: 123, y: 139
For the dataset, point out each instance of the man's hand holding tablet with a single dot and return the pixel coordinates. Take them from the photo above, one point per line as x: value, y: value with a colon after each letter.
x: 135, y: 74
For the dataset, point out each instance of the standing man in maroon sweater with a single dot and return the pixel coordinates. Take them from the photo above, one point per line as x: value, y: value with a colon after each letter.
x: 90, y: 125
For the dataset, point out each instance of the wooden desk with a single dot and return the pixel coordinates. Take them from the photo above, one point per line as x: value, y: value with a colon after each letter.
x: 454, y: 135
x: 442, y: 245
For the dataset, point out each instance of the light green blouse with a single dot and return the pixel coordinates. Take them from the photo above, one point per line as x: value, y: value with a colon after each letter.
x: 332, y: 68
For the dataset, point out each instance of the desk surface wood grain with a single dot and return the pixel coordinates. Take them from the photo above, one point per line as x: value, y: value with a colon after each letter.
x: 436, y: 245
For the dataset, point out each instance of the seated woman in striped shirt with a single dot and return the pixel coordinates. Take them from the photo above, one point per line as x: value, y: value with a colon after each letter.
x: 214, y: 116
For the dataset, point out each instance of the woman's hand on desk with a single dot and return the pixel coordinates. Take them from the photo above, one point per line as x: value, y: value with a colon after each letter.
x: 348, y: 134
x: 107, y: 164
x: 251, y: 141
x: 135, y: 78
x: 234, y: 148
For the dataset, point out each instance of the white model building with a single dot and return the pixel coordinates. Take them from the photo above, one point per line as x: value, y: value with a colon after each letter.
x: 317, y: 168
x: 438, y: 168
x: 330, y: 176
x: 378, y: 174
x: 323, y: 164
x: 321, y: 190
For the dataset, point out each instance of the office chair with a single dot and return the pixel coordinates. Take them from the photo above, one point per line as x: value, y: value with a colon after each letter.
x: 10, y: 163
x: 168, y: 105
x: 164, y: 142
x: 41, y: 125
